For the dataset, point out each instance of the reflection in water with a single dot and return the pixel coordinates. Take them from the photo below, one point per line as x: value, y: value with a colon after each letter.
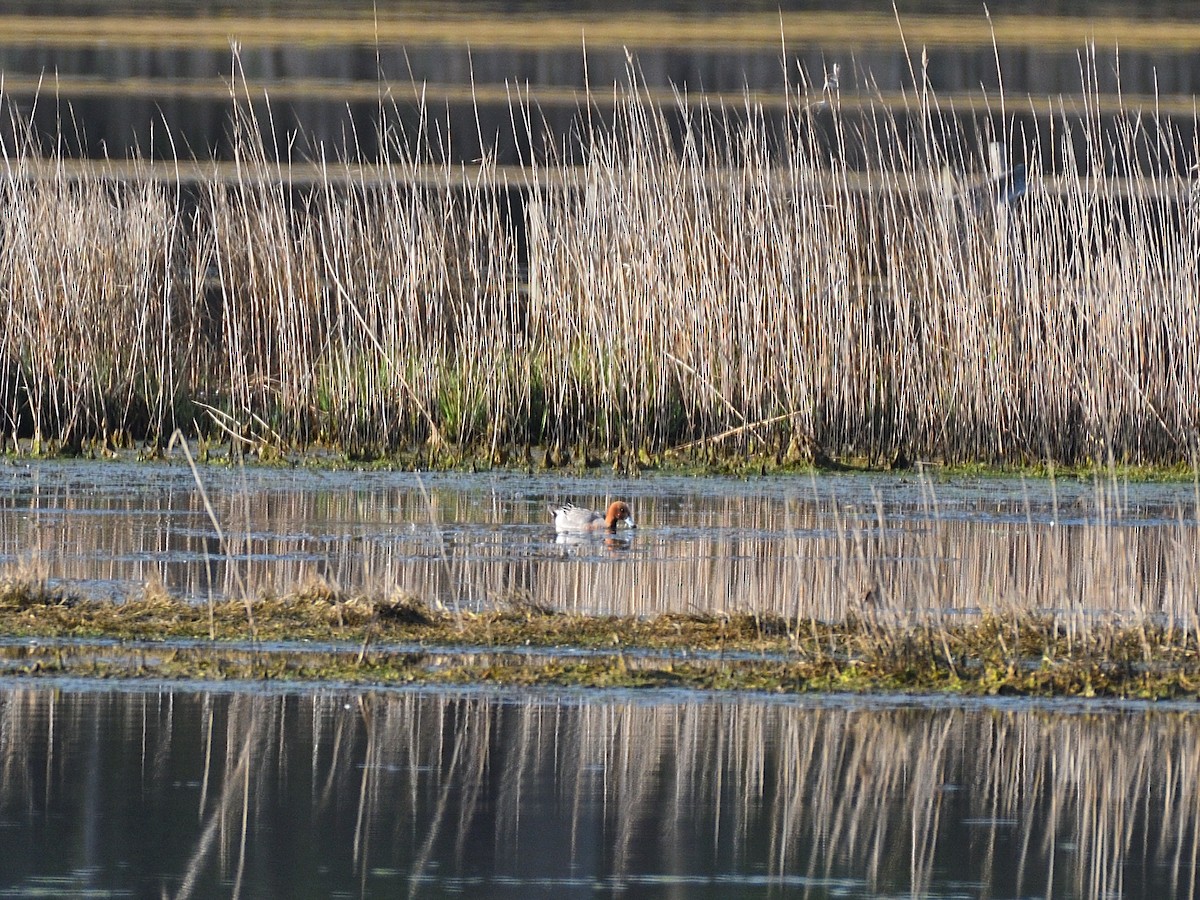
x: 419, y: 794
x: 123, y: 94
x: 789, y: 546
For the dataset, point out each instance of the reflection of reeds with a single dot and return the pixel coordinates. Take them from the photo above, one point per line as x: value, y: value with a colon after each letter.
x: 437, y: 789
x: 808, y: 557
x: 680, y: 277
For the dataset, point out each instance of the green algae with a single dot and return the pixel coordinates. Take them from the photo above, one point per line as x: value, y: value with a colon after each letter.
x: 590, y: 461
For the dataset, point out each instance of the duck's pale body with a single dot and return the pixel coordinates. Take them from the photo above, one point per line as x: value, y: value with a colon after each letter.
x: 572, y: 518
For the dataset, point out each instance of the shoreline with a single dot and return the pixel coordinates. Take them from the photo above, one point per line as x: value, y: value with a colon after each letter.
x: 590, y: 463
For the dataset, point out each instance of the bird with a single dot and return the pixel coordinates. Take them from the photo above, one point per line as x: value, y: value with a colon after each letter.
x: 572, y: 518
x: 832, y: 78
x: 1007, y: 187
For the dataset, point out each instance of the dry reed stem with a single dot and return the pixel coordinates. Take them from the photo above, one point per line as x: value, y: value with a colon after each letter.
x: 690, y: 278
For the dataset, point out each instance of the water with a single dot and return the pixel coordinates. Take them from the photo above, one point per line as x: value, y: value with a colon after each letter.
x: 820, y: 546
x: 204, y: 792
x: 118, y: 95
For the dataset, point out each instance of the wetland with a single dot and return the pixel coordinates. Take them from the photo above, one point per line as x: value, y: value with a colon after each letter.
x: 788, y: 261
x: 966, y: 584
x: 399, y: 279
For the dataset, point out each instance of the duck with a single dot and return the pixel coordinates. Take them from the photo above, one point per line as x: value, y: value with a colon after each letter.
x: 572, y: 518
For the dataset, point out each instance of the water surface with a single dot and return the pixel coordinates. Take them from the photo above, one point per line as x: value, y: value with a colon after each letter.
x: 194, y: 792
x: 168, y: 97
x: 794, y: 545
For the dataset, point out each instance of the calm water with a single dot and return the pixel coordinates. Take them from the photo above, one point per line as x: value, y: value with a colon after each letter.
x: 121, y: 96
x: 189, y: 792
x: 788, y: 545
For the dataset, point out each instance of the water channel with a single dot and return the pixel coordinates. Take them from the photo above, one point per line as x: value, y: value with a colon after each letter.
x: 252, y: 790
x: 95, y: 94
x: 195, y: 791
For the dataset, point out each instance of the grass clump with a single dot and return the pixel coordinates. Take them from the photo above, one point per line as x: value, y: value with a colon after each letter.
x: 399, y: 640
x: 25, y: 587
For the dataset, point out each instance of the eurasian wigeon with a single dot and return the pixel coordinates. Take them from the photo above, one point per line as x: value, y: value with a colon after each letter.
x: 575, y: 518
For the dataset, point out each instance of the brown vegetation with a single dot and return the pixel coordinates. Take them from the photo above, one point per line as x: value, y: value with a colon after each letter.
x: 684, y: 279
x: 389, y: 639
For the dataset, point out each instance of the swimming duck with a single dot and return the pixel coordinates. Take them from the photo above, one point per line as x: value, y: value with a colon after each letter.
x: 576, y: 518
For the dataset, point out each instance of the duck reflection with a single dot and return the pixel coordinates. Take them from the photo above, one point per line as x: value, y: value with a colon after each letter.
x: 618, y: 542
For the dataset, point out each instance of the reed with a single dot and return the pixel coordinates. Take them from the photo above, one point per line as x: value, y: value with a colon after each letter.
x: 673, y: 277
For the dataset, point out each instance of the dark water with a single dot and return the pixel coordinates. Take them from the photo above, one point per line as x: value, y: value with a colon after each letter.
x: 191, y: 792
x: 117, y: 97
x: 790, y: 546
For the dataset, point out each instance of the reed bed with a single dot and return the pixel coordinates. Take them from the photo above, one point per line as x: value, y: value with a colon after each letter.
x: 673, y: 278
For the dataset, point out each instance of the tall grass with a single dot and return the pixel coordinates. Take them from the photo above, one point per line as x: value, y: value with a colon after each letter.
x: 671, y: 277
x: 366, y: 317
x: 96, y: 324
